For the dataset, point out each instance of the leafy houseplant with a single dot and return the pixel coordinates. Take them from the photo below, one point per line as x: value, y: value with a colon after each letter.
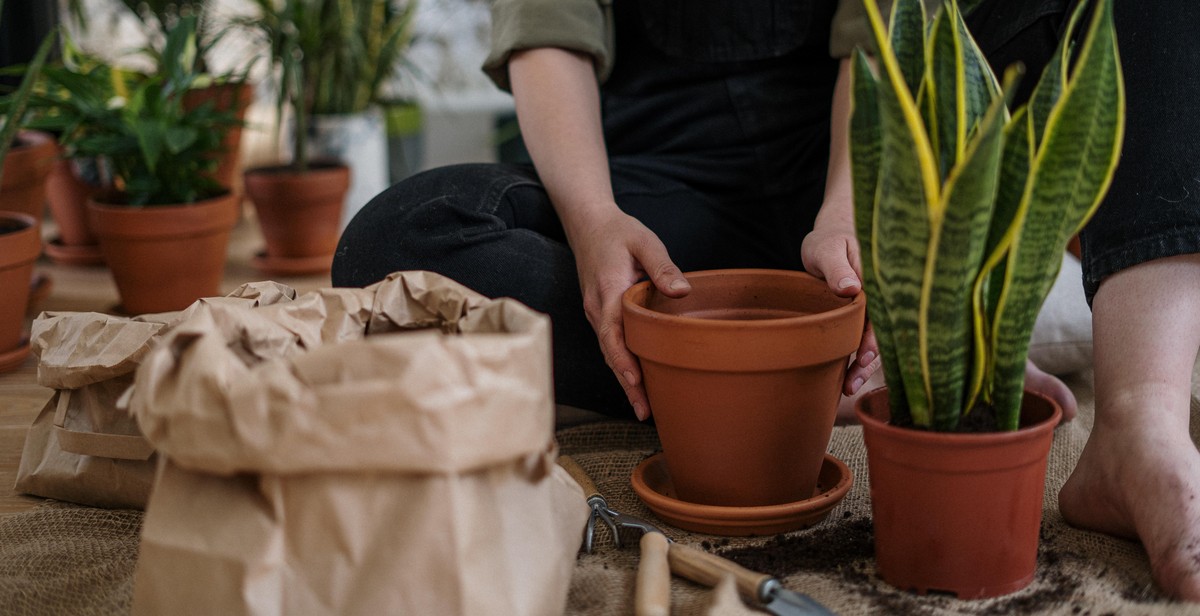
x: 963, y: 211
x: 160, y: 156
x: 330, y: 61
x: 332, y: 57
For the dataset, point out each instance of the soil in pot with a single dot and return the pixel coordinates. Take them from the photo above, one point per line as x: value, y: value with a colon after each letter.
x: 957, y: 513
x: 744, y: 376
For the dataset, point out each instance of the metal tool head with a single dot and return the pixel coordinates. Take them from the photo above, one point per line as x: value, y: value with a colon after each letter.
x: 615, y: 522
x: 783, y: 602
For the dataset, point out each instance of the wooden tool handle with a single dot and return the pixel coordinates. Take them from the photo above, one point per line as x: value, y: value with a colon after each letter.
x: 709, y: 569
x: 653, y: 593
x: 578, y: 474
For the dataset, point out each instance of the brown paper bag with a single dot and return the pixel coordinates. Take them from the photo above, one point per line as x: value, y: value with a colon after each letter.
x: 84, y: 447
x: 387, y: 450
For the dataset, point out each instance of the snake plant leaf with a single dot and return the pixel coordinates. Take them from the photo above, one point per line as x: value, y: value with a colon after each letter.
x: 1054, y: 78
x: 1014, y: 173
x: 906, y: 33
x: 908, y: 176
x: 959, y: 235
x: 965, y: 86
x: 1071, y: 172
x: 864, y: 172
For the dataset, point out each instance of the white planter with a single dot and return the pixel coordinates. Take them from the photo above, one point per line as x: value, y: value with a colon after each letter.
x: 360, y: 141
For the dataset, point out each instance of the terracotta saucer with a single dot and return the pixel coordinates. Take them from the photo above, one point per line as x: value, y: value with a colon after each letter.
x: 653, y: 485
x: 73, y: 255
x: 291, y: 266
x: 11, y: 360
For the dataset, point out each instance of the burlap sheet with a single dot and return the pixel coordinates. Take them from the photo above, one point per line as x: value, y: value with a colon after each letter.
x: 75, y: 560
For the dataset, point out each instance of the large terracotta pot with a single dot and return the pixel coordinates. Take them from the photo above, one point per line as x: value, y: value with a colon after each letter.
x: 67, y: 194
x: 744, y: 376
x: 299, y: 214
x: 165, y: 257
x: 20, y: 245
x: 957, y: 512
x: 234, y: 97
x: 23, y: 186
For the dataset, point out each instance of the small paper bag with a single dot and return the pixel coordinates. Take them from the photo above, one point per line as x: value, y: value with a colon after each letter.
x: 84, y: 447
x: 387, y: 450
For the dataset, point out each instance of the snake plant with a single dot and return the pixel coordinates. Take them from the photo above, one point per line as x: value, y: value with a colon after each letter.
x: 963, y: 208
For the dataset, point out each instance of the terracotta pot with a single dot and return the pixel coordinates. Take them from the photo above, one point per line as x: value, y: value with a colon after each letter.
x: 20, y: 245
x: 67, y: 194
x: 230, y: 96
x: 299, y: 214
x: 744, y: 377
x: 165, y: 257
x: 23, y: 187
x: 957, y: 513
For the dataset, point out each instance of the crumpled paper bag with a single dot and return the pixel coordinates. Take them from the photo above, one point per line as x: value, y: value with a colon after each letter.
x: 357, y: 451
x: 84, y: 447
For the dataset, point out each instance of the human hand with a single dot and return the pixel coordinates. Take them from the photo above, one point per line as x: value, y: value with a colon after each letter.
x: 611, y: 254
x: 830, y: 252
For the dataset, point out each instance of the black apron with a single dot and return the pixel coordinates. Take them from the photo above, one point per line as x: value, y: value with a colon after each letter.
x: 731, y: 99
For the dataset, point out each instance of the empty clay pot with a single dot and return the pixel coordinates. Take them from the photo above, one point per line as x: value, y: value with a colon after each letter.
x: 744, y: 376
x: 953, y: 512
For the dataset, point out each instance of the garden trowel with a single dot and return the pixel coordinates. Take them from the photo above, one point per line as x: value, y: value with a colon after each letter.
x: 689, y: 562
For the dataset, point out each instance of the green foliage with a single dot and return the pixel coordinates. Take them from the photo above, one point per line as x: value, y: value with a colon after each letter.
x: 331, y: 56
x: 13, y: 107
x: 158, y: 150
x: 963, y: 209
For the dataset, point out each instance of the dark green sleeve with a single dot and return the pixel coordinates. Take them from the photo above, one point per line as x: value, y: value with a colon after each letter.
x: 584, y: 26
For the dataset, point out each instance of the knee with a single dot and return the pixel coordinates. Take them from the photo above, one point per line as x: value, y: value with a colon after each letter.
x: 405, y: 226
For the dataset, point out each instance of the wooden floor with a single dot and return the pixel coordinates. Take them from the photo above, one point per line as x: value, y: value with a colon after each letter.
x: 91, y: 289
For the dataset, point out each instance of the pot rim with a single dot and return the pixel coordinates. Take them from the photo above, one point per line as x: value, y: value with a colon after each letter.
x: 637, y: 310
x: 284, y: 171
x: 960, y: 439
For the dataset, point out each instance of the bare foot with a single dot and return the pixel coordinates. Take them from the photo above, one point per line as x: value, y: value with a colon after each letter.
x: 1049, y: 385
x: 1142, y: 482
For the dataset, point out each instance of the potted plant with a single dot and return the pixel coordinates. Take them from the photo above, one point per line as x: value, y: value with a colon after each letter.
x: 70, y: 180
x: 963, y: 211
x: 164, y: 226
x: 227, y: 91
x: 20, y: 232
x: 330, y: 59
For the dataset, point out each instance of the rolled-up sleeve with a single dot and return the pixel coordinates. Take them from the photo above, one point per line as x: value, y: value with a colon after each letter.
x: 577, y: 25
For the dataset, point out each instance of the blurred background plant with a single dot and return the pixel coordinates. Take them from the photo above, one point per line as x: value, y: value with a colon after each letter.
x: 157, y: 149
x: 330, y: 56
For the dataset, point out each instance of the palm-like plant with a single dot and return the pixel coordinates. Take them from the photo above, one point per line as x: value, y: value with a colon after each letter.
x: 331, y: 56
x: 963, y: 209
